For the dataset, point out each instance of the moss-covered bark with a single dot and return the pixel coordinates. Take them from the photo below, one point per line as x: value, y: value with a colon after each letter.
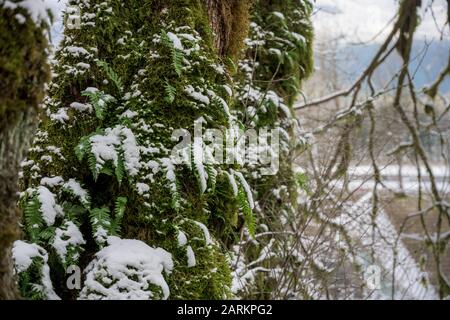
x: 23, y: 73
x: 134, y: 72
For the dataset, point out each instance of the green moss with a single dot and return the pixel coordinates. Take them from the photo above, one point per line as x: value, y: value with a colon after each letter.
x: 23, y: 67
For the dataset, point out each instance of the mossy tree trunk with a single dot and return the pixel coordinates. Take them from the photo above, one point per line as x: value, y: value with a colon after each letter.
x: 278, y: 58
x: 23, y: 73
x: 134, y: 72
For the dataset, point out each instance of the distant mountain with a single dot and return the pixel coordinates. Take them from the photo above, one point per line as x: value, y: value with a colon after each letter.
x: 429, y: 60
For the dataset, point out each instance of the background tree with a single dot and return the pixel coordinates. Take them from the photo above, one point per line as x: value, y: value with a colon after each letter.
x: 277, y: 59
x: 23, y: 74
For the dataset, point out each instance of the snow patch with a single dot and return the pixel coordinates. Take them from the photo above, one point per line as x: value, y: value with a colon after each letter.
x: 38, y: 10
x: 125, y: 269
x: 190, y: 257
x: 49, y: 209
x: 23, y: 254
x: 68, y: 235
x: 175, y: 40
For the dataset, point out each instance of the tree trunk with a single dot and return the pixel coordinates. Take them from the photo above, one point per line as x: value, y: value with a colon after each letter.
x: 133, y: 73
x: 23, y: 73
x: 228, y: 19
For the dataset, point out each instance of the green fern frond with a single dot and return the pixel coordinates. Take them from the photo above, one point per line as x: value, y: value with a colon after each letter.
x: 247, y: 212
x: 177, y: 55
x: 82, y: 148
x: 33, y: 218
x: 170, y: 93
x: 119, y: 211
x: 112, y: 75
x: 212, y: 176
x: 47, y: 235
x: 92, y: 162
x: 100, y: 219
x: 177, y: 61
x: 99, y: 100
x: 73, y: 212
x: 120, y: 168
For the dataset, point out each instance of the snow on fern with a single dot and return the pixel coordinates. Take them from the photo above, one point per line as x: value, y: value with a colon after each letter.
x: 196, y: 95
x: 247, y: 189
x: 77, y: 190
x: 24, y: 255
x: 67, y: 236
x: 52, y: 181
x: 206, y: 234
x: 175, y: 40
x: 182, y: 239
x: 106, y: 147
x: 49, y: 208
x: 130, y: 152
x: 128, y: 269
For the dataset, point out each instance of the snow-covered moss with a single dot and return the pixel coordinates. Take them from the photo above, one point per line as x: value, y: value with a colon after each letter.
x: 127, y: 269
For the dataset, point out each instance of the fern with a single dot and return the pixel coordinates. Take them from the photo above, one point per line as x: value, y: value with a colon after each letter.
x: 33, y: 218
x: 247, y: 212
x: 176, y: 197
x: 100, y: 102
x: 112, y: 75
x: 170, y: 93
x: 73, y: 211
x: 30, y: 281
x: 177, y: 55
x: 48, y: 234
x: 212, y: 176
x: 100, y: 219
x: 120, y: 169
x: 177, y: 61
x: 92, y: 162
x: 73, y: 255
x: 82, y: 148
x: 173, y: 186
x: 119, y: 211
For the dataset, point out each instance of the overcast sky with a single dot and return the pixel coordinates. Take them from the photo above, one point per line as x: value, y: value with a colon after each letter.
x: 355, y: 20
x: 361, y: 20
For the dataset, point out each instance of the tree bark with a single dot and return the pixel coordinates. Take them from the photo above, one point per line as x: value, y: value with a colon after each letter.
x: 23, y: 73
x: 14, y: 140
x: 229, y: 22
